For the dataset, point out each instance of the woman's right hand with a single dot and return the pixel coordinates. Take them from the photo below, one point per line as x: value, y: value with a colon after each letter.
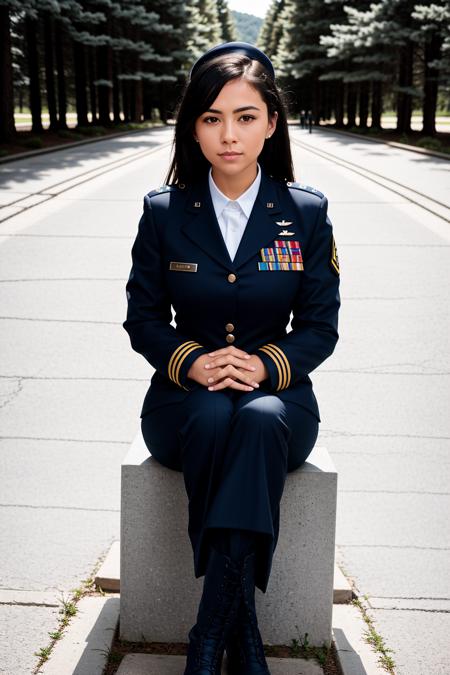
x: 239, y: 366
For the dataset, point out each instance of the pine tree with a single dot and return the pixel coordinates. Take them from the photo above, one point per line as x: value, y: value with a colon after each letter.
x: 7, y: 126
x: 300, y: 58
x: 356, y: 59
x: 432, y: 36
x: 271, y: 29
x: 228, y: 27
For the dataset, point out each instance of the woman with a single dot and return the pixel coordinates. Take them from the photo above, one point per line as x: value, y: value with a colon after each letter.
x: 235, y: 246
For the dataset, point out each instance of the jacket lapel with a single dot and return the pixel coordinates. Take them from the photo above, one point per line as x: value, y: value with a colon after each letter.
x: 261, y: 228
x: 203, y: 228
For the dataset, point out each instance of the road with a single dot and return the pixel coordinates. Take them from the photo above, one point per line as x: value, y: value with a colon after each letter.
x: 71, y: 387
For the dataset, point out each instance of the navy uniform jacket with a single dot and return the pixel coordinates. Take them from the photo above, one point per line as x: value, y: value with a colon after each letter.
x: 179, y: 258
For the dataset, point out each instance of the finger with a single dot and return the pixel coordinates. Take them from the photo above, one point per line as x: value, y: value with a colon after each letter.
x: 229, y: 359
x: 230, y: 350
x: 230, y: 371
x: 229, y: 382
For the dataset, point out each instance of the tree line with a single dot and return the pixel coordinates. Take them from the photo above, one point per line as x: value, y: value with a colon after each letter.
x: 115, y: 60
x: 354, y: 58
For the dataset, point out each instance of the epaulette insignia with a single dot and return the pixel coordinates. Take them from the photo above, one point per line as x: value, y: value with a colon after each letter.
x: 307, y: 188
x: 334, y: 260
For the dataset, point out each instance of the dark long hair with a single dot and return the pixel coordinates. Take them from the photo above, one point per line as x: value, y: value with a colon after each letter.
x: 189, y: 163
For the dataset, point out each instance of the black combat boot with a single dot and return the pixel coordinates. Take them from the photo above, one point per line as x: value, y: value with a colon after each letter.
x: 244, y: 646
x: 217, y: 611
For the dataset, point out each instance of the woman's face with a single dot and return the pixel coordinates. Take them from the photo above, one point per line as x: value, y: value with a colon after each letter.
x: 237, y: 122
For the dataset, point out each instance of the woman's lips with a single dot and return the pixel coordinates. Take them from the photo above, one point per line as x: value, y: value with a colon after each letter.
x: 227, y: 155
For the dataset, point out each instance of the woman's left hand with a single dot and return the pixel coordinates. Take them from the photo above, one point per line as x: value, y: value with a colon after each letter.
x: 221, y: 358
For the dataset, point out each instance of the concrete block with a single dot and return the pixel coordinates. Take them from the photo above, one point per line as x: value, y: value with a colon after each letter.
x: 108, y: 575
x: 156, y: 664
x: 108, y: 579
x: 342, y: 590
x: 159, y: 593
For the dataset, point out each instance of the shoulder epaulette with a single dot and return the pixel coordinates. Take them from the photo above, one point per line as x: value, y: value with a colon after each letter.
x: 306, y: 188
x: 162, y: 189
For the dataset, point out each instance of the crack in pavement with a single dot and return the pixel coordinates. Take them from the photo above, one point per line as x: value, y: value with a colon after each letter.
x: 59, y: 508
x: 100, y: 379
x: 332, y: 433
x: 28, y: 604
x: 394, y: 546
x: 23, y: 318
x: 32, y: 279
x: 67, y: 236
x: 10, y: 397
x: 399, y: 492
x: 66, y: 440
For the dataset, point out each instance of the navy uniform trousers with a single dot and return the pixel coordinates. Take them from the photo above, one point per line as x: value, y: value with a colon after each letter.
x: 234, y: 448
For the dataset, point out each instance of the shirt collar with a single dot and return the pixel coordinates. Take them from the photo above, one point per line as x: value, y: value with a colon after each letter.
x: 246, y: 200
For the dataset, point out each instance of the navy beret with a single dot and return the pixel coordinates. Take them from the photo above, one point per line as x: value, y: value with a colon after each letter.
x: 231, y: 47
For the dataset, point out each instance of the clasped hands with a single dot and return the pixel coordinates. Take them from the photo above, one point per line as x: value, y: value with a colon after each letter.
x: 228, y: 367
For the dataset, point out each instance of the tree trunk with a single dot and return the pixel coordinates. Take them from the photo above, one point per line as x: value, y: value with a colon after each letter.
x: 351, y: 105
x: 116, y: 89
x: 328, y: 105
x: 7, y: 126
x: 132, y: 101
x: 104, y: 91
x: 433, y: 49
x: 317, y: 97
x: 405, y: 79
x: 92, y: 88
x: 147, y: 101
x: 363, y: 104
x: 126, y: 100
x: 31, y: 29
x: 139, y: 101
x: 59, y: 57
x: 79, y: 61
x: 49, y: 70
x: 339, y: 104
x: 377, y: 104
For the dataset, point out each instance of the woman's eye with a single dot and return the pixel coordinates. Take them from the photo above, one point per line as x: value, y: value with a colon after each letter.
x: 207, y: 119
x: 249, y: 117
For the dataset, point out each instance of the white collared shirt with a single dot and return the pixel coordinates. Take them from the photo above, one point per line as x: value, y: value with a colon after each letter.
x: 232, y: 215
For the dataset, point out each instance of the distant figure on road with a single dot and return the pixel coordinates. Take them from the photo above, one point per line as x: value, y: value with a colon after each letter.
x: 309, y: 119
x: 234, y: 245
x: 302, y: 119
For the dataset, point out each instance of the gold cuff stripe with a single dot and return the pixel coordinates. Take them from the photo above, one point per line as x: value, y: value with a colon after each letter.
x: 180, y: 362
x: 173, y: 357
x: 178, y: 357
x: 284, y: 365
x: 275, y: 360
x: 281, y: 362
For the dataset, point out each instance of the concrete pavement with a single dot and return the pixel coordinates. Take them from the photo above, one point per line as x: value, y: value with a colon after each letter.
x: 71, y: 387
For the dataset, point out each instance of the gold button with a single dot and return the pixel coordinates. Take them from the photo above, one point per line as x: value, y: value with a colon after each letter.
x: 229, y: 338
x: 229, y: 327
x: 232, y: 278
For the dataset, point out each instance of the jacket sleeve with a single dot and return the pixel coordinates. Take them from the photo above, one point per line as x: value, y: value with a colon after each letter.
x: 149, y: 313
x: 314, y: 324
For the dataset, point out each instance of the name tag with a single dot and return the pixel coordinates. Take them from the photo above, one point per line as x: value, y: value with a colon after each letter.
x: 183, y: 266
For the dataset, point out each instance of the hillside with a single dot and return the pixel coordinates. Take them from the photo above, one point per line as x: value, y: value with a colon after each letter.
x: 247, y: 26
